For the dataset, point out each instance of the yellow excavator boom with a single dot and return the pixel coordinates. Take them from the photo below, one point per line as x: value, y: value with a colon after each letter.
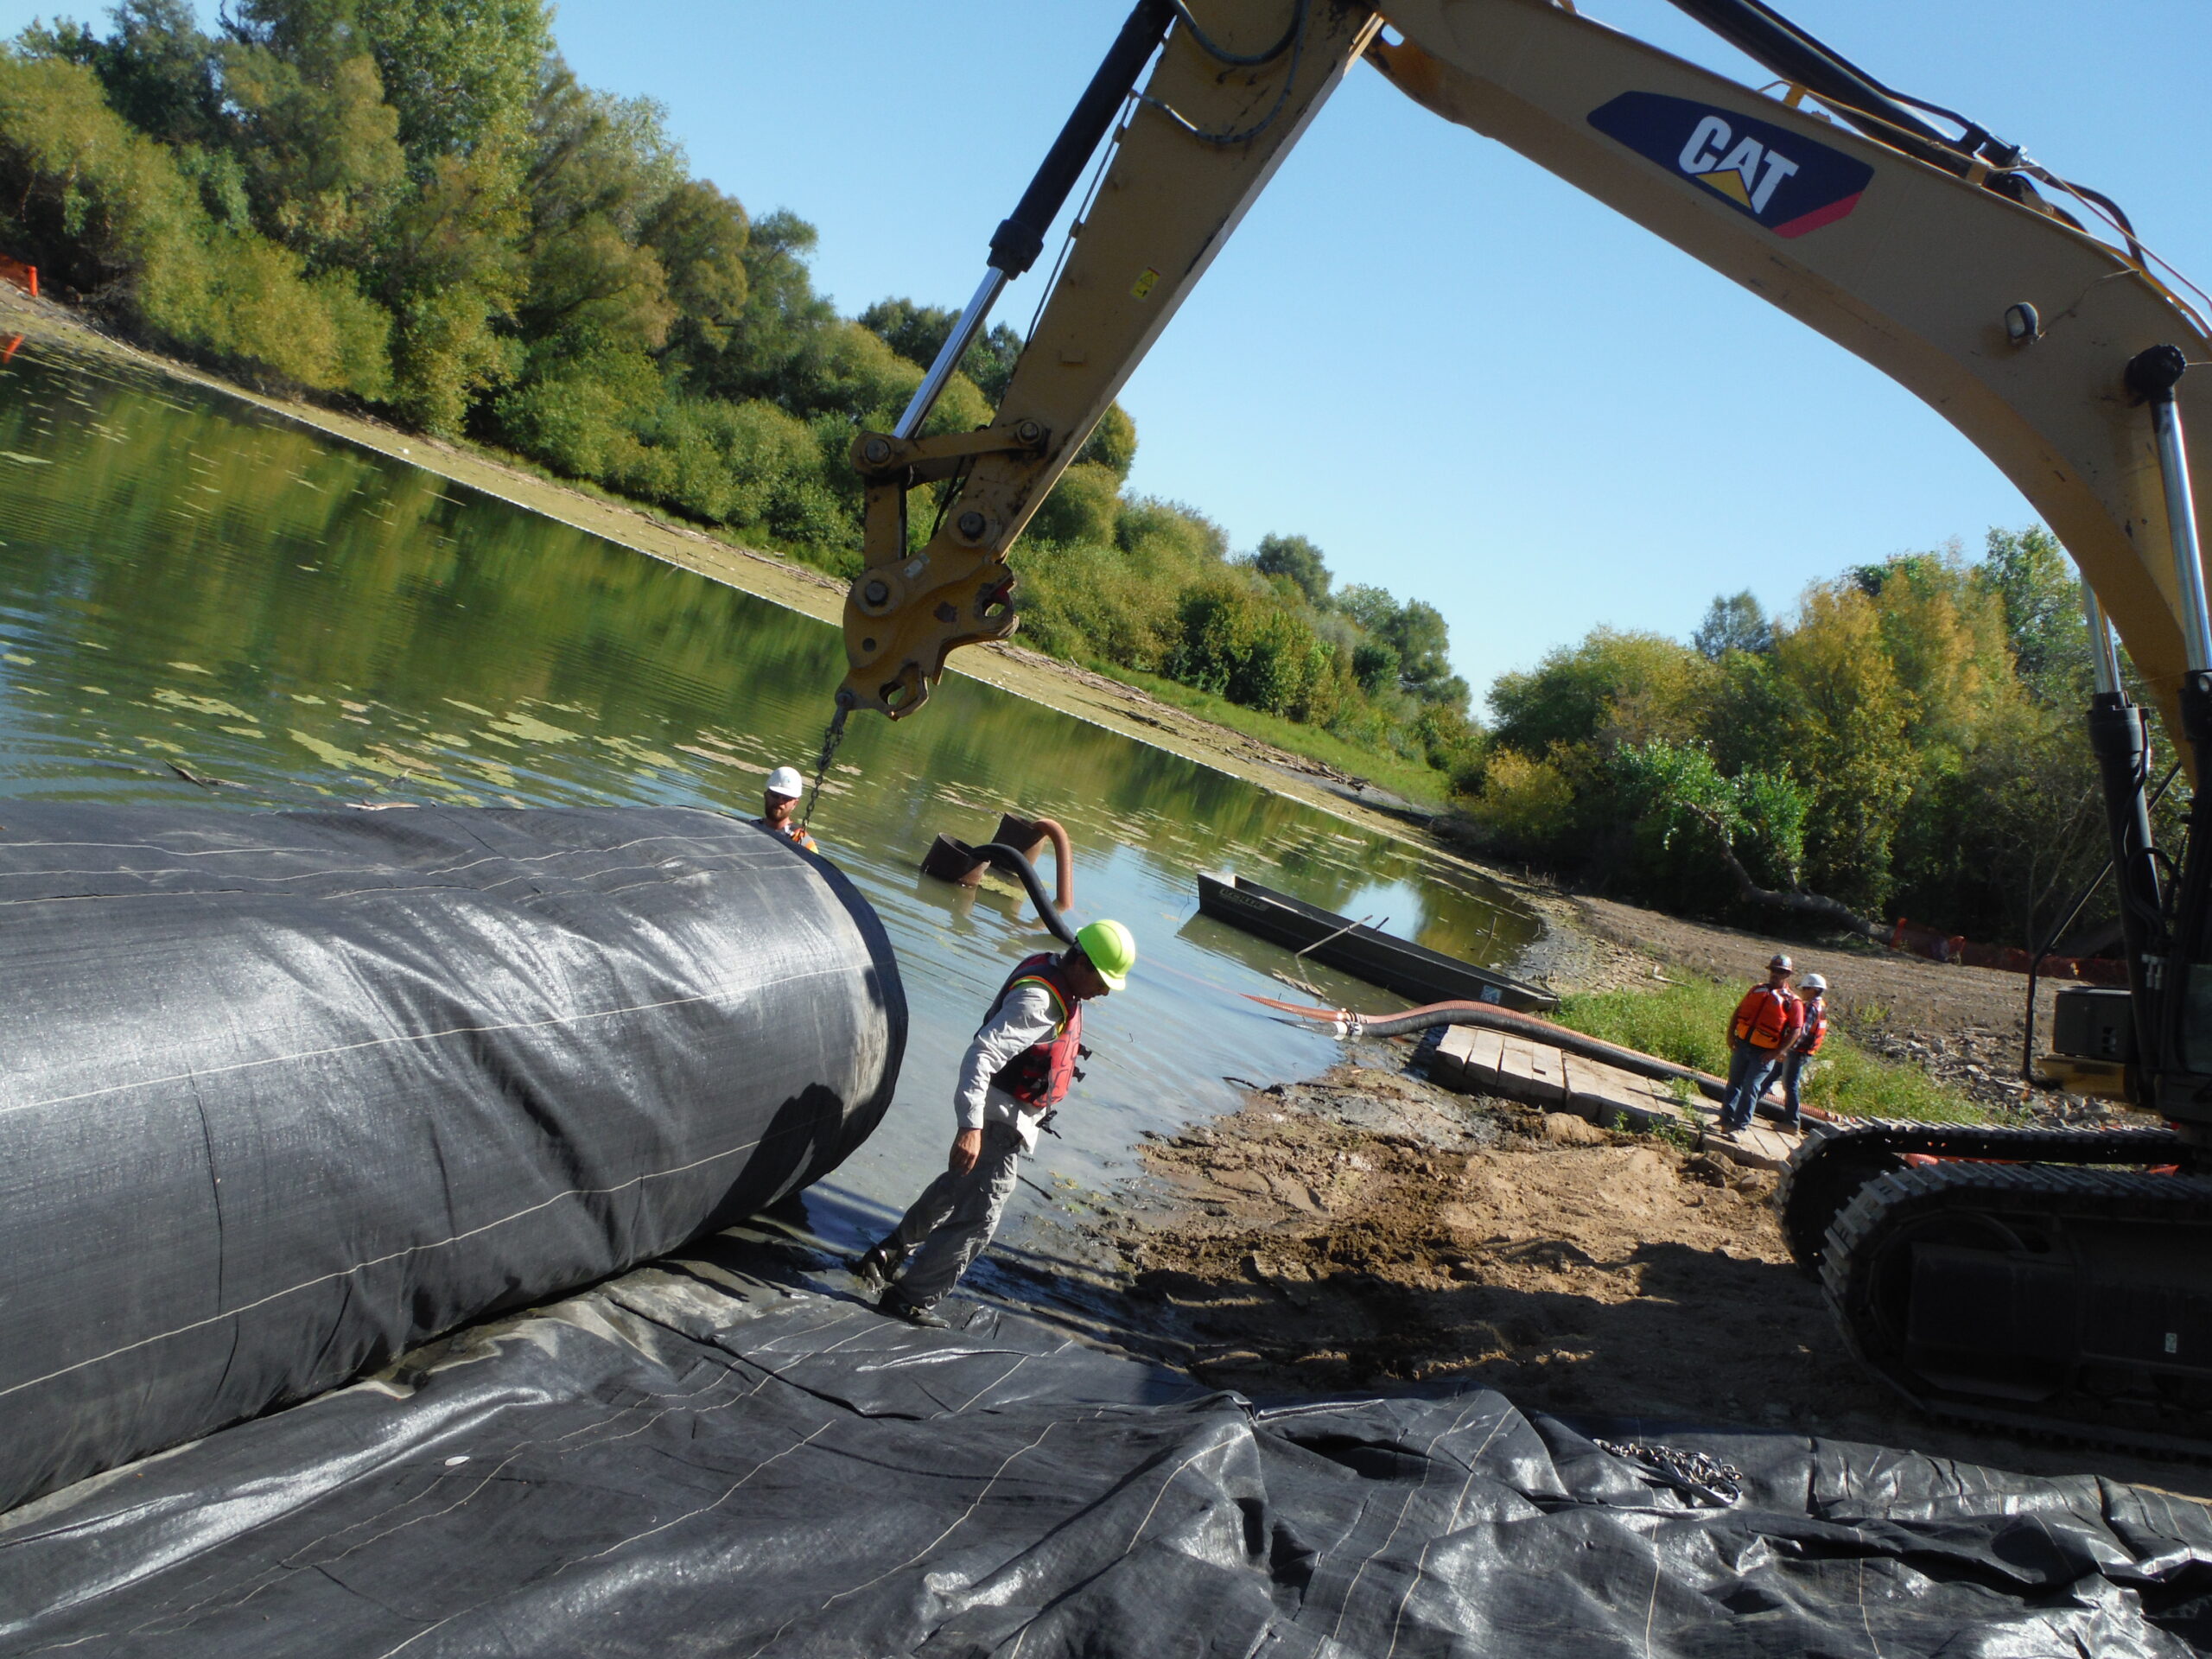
x: 1952, y: 276
x: 1912, y: 266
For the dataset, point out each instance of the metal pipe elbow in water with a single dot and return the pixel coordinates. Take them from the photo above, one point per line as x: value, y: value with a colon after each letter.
x: 1063, y: 858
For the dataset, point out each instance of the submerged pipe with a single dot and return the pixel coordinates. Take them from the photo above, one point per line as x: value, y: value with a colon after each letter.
x: 950, y: 858
x: 1030, y: 834
x: 285, y: 1094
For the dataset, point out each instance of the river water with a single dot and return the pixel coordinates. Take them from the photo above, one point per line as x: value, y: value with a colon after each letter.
x: 188, y: 581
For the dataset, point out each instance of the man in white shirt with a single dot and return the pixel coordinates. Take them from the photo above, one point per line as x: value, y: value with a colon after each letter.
x: 1016, y: 1070
x: 780, y: 807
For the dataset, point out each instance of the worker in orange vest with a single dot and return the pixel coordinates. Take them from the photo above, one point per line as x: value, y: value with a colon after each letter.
x: 1811, y: 1034
x: 1766, y: 1025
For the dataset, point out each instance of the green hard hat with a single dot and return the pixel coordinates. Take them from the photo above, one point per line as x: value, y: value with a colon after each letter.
x: 1112, y: 950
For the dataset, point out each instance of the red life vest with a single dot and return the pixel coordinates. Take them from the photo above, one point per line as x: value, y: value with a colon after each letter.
x: 1766, y: 1018
x: 1039, y: 1074
x: 1817, y: 1029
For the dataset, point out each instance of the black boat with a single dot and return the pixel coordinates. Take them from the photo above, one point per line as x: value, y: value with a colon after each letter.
x: 1337, y: 942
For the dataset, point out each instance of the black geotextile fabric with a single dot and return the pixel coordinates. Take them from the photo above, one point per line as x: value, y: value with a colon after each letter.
x: 281, y: 1095
x: 687, y: 1461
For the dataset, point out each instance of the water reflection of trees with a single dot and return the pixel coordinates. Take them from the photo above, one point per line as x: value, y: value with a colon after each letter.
x: 283, y: 564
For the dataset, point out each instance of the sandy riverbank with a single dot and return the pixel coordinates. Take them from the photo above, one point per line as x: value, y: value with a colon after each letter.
x: 1368, y: 1230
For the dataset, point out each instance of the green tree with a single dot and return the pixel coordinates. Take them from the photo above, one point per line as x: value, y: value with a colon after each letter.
x: 1733, y: 622
x: 1611, y: 688
x: 110, y: 215
x: 699, y: 235
x: 1297, y: 558
x: 158, y: 68
x: 316, y: 144
x: 1417, y: 632
x: 462, y: 75
x: 1846, y: 728
x: 2035, y: 583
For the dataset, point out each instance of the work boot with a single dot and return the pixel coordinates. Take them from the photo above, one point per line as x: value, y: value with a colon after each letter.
x: 875, y: 1266
x: 894, y: 1303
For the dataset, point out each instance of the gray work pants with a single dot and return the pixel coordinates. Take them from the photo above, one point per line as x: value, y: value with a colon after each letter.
x: 955, y: 1217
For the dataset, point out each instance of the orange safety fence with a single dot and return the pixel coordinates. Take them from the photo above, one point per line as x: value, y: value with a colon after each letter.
x: 1956, y: 947
x: 22, y: 275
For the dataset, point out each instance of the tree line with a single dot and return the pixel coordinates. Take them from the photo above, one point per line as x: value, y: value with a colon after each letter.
x: 417, y: 206
x: 1908, y: 741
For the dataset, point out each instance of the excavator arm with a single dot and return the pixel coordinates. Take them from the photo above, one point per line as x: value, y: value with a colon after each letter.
x: 1950, y: 261
x: 1945, y: 270
x: 2031, y: 1279
x: 1222, y: 107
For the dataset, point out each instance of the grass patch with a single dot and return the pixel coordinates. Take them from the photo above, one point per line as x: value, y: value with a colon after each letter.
x: 1688, y: 1023
x: 1415, y: 780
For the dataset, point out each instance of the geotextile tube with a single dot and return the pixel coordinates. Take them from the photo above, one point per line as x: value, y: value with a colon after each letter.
x: 284, y: 1094
x: 661, y: 1466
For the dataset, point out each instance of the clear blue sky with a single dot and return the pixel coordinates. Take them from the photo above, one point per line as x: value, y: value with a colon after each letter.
x: 1461, y: 377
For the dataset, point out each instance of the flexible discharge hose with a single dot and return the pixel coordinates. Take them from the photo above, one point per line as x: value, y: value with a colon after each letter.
x: 1493, y: 1018
x: 1012, y: 860
x: 1560, y: 1037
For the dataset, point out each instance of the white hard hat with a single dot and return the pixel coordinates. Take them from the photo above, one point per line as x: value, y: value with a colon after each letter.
x: 786, y: 782
x: 1814, y: 982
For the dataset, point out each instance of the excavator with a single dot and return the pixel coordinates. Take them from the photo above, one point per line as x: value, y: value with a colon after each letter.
x: 2029, y: 1281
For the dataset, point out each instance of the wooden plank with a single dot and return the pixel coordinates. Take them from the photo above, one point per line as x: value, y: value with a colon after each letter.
x: 1756, y: 1148
x: 1530, y: 1071
x: 1548, y: 1071
x: 1612, y: 1098
x: 1449, y: 1058
x: 1484, y: 1054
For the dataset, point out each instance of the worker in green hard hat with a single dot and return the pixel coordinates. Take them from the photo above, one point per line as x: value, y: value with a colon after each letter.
x: 1016, y: 1070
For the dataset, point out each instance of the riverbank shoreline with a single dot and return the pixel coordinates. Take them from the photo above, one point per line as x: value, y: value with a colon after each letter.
x: 1587, y: 943
x: 1362, y: 1228
x: 1066, y: 688
x: 1366, y: 1230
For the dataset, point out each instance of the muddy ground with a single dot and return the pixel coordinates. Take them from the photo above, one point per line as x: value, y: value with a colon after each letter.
x: 1367, y: 1230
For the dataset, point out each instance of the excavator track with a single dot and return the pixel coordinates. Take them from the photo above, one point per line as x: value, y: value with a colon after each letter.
x: 2047, y: 1300
x: 1833, y: 1164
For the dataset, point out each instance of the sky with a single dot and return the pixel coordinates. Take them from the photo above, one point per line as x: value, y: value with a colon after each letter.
x: 1464, y: 380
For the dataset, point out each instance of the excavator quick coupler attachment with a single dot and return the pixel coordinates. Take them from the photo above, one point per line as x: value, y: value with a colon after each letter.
x: 907, y: 609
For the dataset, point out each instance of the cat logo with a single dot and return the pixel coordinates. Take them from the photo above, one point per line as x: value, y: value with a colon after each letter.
x: 1785, y: 181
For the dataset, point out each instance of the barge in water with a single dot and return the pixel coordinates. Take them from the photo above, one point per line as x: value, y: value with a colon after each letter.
x: 1350, y: 947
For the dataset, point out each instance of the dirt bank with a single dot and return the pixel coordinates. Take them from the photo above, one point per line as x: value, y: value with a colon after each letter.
x: 1368, y: 1230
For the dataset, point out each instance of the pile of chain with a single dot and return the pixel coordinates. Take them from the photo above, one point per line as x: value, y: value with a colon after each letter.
x: 1702, y: 1478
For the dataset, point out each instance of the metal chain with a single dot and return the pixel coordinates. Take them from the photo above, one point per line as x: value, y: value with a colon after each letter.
x: 1692, y: 1473
x: 830, y: 739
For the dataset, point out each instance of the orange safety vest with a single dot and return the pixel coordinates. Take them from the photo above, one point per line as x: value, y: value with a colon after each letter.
x: 1766, y: 1018
x: 790, y: 832
x: 1038, y: 1077
x: 1817, y: 1029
